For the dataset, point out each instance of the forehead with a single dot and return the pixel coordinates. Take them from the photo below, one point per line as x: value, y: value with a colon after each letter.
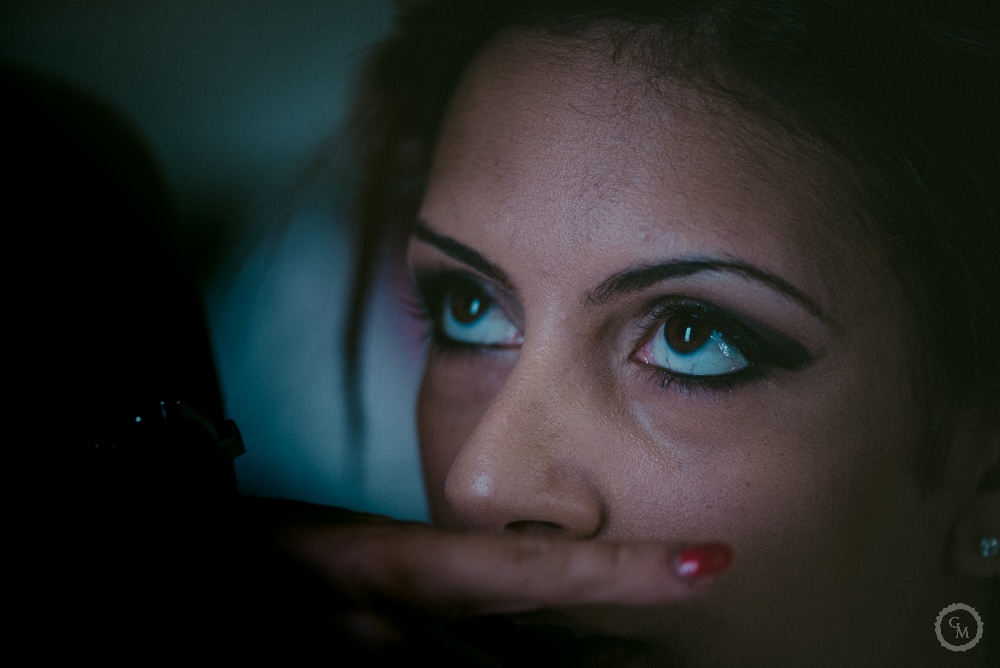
x: 550, y: 143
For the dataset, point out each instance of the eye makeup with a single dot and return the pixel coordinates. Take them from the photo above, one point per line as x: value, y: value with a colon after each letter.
x: 748, y: 349
x: 463, y: 315
x: 461, y: 312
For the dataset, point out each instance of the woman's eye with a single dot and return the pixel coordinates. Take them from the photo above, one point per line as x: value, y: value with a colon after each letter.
x: 470, y: 317
x: 688, y: 344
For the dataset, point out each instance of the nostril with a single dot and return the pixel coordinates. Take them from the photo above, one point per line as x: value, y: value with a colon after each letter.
x: 534, y: 526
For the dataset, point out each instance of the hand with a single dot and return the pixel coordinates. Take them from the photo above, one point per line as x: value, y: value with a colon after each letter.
x: 455, y: 574
x: 386, y: 567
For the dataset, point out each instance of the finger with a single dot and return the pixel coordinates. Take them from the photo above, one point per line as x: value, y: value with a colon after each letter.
x: 464, y: 573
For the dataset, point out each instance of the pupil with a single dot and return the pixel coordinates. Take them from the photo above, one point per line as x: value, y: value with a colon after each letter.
x: 468, y: 304
x: 687, y: 333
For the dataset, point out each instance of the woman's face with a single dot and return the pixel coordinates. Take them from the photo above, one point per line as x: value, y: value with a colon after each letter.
x: 652, y: 319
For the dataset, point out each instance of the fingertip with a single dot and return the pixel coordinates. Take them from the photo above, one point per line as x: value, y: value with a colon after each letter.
x: 702, y: 560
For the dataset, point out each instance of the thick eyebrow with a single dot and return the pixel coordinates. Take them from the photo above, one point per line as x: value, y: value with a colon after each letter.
x: 627, y: 281
x: 459, y: 251
x: 638, y: 278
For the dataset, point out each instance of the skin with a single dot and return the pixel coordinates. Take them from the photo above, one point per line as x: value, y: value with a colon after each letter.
x: 557, y: 170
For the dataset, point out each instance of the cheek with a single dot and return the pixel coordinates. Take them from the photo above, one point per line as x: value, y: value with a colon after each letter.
x: 777, y: 457
x: 456, y: 391
x: 812, y: 480
x: 814, y: 488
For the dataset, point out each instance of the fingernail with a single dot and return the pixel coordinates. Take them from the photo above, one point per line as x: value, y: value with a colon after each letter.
x: 699, y: 561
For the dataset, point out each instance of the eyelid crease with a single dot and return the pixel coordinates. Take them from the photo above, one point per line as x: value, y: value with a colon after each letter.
x: 644, y: 276
x: 458, y: 251
x: 439, y: 273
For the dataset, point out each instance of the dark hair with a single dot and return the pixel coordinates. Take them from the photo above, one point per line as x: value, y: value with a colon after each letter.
x: 905, y: 93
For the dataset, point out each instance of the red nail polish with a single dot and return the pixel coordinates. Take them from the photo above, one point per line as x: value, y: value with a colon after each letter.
x: 699, y: 561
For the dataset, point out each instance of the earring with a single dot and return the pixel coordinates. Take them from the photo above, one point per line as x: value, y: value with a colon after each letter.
x: 989, y: 547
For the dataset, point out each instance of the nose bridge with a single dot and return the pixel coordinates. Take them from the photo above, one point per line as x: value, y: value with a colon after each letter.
x: 522, y: 467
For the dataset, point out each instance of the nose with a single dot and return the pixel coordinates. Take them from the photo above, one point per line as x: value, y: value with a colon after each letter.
x: 525, y: 466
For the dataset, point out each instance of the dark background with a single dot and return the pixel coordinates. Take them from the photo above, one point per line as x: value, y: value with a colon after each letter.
x: 242, y: 104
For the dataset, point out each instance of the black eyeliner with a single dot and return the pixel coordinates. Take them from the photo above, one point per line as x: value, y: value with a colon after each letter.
x: 432, y: 287
x: 763, y: 347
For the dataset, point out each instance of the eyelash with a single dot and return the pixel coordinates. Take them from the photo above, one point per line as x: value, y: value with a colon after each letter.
x: 425, y: 303
x: 765, y: 350
x: 735, y: 333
